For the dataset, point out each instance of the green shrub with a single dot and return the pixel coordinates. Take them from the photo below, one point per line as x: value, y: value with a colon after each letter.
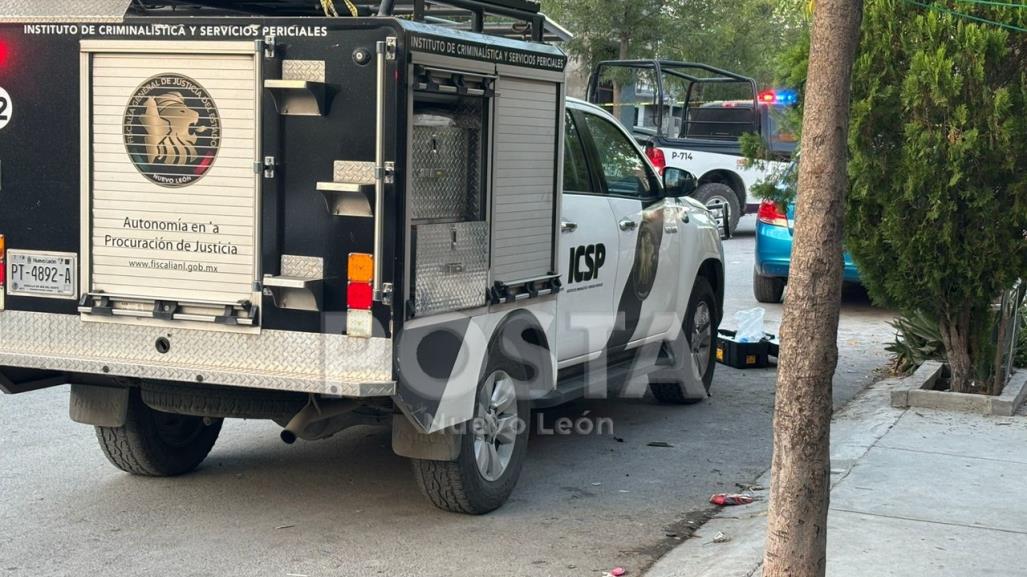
x: 936, y: 214
x: 1020, y: 358
x: 917, y: 340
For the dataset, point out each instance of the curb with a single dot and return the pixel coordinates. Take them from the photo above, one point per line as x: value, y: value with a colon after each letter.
x: 855, y: 429
x: 917, y: 392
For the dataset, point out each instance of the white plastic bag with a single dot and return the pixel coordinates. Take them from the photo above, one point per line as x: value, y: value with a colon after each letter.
x: 750, y: 325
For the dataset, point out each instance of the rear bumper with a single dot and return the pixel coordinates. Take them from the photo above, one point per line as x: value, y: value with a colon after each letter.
x: 281, y: 360
x: 773, y: 250
x: 774, y: 254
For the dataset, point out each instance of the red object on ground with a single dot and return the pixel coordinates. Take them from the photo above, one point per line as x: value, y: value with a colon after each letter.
x: 617, y: 571
x: 725, y: 499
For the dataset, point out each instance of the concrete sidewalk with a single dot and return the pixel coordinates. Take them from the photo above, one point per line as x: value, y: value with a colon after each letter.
x: 914, y: 493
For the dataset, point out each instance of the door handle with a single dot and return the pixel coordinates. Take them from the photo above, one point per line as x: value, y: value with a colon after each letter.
x: 627, y: 224
x: 568, y: 226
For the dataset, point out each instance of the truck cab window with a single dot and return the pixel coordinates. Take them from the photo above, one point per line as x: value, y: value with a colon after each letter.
x: 623, y: 168
x: 575, y: 169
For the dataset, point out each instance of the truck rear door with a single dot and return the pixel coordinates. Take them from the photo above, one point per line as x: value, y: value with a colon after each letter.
x: 170, y: 201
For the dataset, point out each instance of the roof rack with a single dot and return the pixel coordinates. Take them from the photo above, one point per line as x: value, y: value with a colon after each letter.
x: 509, y: 18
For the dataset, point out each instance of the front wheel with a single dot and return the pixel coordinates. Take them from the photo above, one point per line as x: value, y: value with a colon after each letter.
x: 693, y: 350
x: 157, y: 444
x: 715, y: 194
x: 492, y: 450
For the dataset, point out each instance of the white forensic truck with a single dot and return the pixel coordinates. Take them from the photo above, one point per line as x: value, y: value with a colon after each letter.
x: 327, y: 216
x: 692, y: 117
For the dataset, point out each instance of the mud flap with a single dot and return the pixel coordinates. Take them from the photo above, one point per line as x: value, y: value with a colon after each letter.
x: 408, y: 442
x: 99, y: 406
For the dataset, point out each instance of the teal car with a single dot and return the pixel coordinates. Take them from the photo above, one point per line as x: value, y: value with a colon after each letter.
x: 774, y: 227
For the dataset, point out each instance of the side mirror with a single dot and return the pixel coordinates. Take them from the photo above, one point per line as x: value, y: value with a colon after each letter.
x: 678, y: 183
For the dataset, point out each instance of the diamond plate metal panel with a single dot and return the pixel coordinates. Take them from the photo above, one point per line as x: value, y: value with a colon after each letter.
x: 451, y: 270
x: 446, y: 174
x: 282, y: 360
x: 310, y: 267
x: 469, y: 117
x: 309, y: 70
x: 439, y: 172
x: 52, y: 11
x: 354, y: 172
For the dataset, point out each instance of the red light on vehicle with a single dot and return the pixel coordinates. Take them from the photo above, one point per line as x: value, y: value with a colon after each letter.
x: 767, y: 97
x: 772, y: 213
x: 359, y: 295
x: 657, y: 157
x: 5, y: 52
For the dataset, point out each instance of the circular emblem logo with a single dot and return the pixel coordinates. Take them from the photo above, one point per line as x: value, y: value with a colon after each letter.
x: 172, y: 130
x: 647, y: 256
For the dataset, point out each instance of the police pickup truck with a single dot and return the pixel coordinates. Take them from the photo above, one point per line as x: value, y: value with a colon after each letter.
x: 328, y: 216
x: 692, y: 117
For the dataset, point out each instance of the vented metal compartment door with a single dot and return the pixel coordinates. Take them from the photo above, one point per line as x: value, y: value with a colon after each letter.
x: 524, y: 181
x: 171, y: 211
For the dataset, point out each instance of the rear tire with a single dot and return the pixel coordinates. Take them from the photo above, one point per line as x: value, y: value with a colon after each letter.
x: 222, y: 402
x: 714, y: 194
x: 464, y: 486
x: 698, y: 338
x: 767, y: 289
x: 156, y: 444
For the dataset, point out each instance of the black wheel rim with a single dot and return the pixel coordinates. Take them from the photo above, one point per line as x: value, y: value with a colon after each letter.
x: 177, y: 430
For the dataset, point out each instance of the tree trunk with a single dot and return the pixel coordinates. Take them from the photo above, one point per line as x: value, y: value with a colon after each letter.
x: 998, y: 364
x: 800, y: 481
x: 955, y: 335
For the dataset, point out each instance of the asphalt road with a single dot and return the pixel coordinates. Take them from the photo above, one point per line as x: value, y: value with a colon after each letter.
x: 348, y: 506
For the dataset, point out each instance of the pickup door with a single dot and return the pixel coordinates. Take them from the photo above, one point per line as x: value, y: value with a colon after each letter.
x: 648, y: 267
x: 589, y: 247
x: 619, y: 245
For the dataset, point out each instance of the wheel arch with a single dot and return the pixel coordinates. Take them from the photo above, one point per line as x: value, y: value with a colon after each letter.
x: 520, y: 334
x: 713, y: 271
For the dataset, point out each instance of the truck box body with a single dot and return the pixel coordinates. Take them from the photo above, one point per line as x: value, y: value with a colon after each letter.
x: 180, y: 199
x: 217, y: 209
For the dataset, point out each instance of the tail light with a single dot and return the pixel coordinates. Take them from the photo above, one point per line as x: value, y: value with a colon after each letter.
x: 772, y: 213
x: 359, y: 295
x: 657, y: 157
x: 3, y: 272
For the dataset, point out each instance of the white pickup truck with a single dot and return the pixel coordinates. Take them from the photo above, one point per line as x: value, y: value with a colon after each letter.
x: 327, y: 221
x: 693, y: 117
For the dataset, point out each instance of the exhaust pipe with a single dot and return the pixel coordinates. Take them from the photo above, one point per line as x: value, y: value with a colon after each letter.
x: 315, y: 413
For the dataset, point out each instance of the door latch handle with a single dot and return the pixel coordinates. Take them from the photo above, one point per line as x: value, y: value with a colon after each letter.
x: 627, y: 224
x: 568, y: 226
